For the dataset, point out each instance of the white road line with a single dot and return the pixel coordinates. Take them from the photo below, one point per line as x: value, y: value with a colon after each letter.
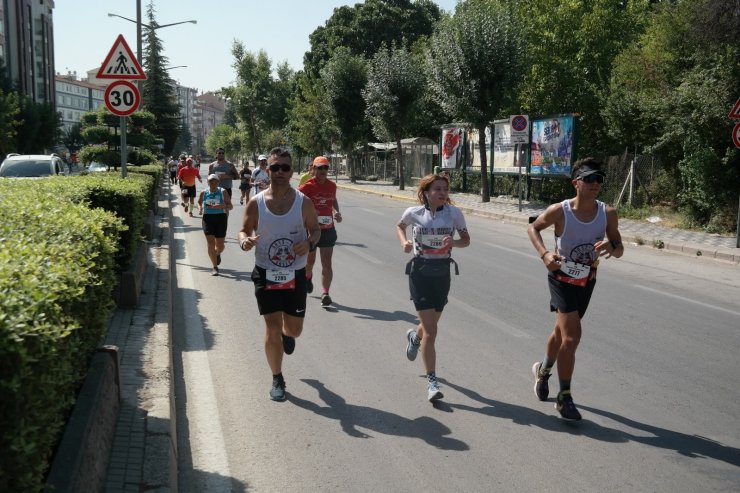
x: 689, y: 300
x: 489, y: 319
x: 528, y: 253
x: 372, y: 211
x: 208, y: 449
x: 357, y: 251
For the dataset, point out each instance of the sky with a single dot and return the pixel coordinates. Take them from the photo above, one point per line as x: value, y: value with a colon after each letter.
x: 83, y: 33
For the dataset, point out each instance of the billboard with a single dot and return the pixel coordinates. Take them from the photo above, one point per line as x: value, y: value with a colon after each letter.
x: 504, y: 156
x: 552, y: 145
x: 453, y: 144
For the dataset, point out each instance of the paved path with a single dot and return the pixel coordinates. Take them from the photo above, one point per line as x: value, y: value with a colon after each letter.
x: 143, y: 447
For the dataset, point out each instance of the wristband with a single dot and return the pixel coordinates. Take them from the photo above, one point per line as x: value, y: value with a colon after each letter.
x: 615, y: 244
x: 241, y: 244
x: 542, y: 257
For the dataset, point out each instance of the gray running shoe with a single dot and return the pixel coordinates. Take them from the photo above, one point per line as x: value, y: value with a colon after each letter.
x: 411, y: 349
x: 277, y: 391
x: 566, y: 407
x: 433, y: 392
x: 541, y: 387
x: 309, y: 286
x: 325, y: 299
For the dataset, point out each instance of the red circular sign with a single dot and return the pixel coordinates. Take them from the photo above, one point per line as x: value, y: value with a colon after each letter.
x: 736, y: 135
x: 519, y: 123
x: 122, y: 98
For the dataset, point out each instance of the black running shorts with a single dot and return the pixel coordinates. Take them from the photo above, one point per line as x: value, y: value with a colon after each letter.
x: 190, y: 191
x: 565, y: 298
x: 429, y: 292
x: 289, y: 301
x: 215, y: 225
x: 328, y: 238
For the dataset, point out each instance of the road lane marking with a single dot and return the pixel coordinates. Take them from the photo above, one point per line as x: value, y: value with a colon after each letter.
x: 689, y: 300
x: 208, y: 449
x: 528, y: 253
x: 361, y: 254
x: 489, y: 319
x: 372, y: 211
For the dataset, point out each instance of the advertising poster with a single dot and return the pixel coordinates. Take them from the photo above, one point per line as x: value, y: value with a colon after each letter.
x: 503, y: 149
x: 552, y: 145
x: 452, y: 147
x: 475, y: 147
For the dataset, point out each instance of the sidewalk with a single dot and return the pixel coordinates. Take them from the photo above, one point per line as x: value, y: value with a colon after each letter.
x: 695, y: 243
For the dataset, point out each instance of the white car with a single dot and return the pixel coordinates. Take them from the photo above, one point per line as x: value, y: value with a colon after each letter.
x: 32, y: 166
x: 95, y: 167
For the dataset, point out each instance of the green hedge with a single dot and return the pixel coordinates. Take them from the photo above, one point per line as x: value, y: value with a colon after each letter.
x: 57, y: 271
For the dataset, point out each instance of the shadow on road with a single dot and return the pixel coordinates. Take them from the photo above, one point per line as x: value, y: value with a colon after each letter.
x: 687, y: 445
x: 351, y: 417
x: 380, y: 315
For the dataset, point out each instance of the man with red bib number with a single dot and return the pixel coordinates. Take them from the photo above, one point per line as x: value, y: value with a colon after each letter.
x: 323, y: 194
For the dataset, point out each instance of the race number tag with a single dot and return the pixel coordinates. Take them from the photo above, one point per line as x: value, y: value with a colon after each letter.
x: 573, y: 273
x: 280, y: 279
x: 325, y: 222
x: 433, y: 244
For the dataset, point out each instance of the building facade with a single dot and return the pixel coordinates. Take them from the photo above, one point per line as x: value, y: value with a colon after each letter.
x: 27, y: 46
x: 208, y: 112
x: 75, y: 97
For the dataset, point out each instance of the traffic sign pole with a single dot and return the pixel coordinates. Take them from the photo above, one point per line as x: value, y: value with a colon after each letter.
x: 124, y: 151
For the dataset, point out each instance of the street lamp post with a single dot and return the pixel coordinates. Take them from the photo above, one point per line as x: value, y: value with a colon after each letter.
x: 139, y: 24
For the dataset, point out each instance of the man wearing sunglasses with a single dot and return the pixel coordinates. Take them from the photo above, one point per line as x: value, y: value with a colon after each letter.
x: 281, y: 225
x: 323, y: 194
x: 580, y: 225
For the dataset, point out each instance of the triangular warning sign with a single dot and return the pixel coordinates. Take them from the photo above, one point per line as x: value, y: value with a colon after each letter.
x: 121, y: 64
x: 735, y: 111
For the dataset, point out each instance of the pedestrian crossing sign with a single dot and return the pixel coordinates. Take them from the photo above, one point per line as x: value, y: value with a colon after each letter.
x: 121, y: 64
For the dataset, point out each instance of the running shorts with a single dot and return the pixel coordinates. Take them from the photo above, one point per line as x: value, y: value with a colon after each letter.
x: 565, y: 298
x: 328, y: 238
x: 215, y: 225
x: 190, y: 191
x: 289, y: 301
x: 429, y: 292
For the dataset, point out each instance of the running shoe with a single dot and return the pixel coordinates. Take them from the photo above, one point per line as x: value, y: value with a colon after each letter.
x: 277, y: 391
x: 218, y: 259
x: 566, y: 407
x: 309, y: 286
x: 186, y: 209
x: 325, y: 299
x: 412, y: 348
x: 241, y: 201
x: 288, y: 344
x: 214, y: 272
x: 433, y: 392
x: 191, y: 214
x: 541, y: 387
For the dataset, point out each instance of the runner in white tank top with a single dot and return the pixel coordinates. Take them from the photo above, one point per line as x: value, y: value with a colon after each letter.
x: 580, y: 226
x: 281, y: 225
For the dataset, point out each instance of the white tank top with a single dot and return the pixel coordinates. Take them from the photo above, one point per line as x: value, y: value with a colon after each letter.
x: 578, y: 238
x: 278, y: 235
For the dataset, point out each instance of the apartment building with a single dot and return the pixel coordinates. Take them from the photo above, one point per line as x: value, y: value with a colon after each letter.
x: 208, y: 112
x: 74, y: 97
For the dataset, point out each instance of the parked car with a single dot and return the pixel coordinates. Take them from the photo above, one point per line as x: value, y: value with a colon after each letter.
x: 32, y: 166
x: 95, y: 167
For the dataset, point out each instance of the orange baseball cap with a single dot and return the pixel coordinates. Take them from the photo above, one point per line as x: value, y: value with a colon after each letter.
x: 320, y: 160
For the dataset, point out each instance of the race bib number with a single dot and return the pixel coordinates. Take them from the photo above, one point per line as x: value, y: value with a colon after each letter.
x: 280, y: 279
x: 573, y: 273
x: 220, y: 174
x: 433, y: 244
x: 325, y: 222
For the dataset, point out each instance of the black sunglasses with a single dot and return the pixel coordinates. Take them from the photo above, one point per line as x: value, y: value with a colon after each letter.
x: 280, y: 167
x: 594, y: 178
x: 323, y: 166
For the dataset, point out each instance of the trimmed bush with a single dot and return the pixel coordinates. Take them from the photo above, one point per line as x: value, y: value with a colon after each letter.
x: 57, y: 272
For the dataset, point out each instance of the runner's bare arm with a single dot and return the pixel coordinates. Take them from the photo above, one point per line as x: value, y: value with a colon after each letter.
x: 227, y: 202
x: 249, y: 226
x: 311, y: 221
x: 337, y: 215
x: 612, y: 246
x: 200, y: 201
x: 401, y: 235
x: 553, y: 215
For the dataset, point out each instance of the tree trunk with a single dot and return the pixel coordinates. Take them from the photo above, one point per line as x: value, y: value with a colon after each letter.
x: 399, y: 164
x: 485, y: 196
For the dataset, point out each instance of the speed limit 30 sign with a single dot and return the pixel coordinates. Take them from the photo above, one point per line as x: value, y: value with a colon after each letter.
x: 122, y: 98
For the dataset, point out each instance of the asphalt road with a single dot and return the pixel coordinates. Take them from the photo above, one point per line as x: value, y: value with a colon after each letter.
x: 655, y: 375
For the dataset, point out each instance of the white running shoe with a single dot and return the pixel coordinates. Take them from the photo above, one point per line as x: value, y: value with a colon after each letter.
x: 433, y: 392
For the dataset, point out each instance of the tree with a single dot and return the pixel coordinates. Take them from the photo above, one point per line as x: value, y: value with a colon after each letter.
x: 345, y: 77
x: 367, y: 26
x: 311, y: 124
x: 157, y: 91
x: 394, y: 84
x: 474, y: 66
x: 226, y: 137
